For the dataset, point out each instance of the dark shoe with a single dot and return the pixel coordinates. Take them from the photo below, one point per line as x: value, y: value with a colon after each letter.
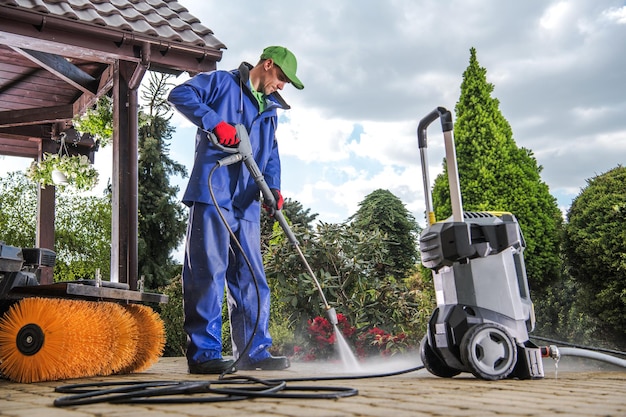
x: 273, y: 363
x: 213, y: 366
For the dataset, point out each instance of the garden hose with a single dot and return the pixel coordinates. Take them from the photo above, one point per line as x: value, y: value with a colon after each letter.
x: 233, y: 388
x: 588, y: 352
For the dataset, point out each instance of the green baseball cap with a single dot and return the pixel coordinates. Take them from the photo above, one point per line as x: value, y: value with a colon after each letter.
x: 286, y: 60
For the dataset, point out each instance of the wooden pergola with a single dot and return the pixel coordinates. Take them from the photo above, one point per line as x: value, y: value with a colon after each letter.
x: 59, y: 58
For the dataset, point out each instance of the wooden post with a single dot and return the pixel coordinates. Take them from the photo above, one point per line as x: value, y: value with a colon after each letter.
x: 46, y: 203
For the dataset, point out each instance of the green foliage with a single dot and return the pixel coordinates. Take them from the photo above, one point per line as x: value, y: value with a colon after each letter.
x: 173, y: 317
x: 345, y: 261
x: 569, y: 320
x: 82, y: 227
x: 595, y: 246
x: 162, y: 218
x: 78, y: 171
x: 82, y: 237
x: 18, y: 208
x: 383, y: 211
x: 97, y: 121
x: 496, y: 175
x: 293, y: 211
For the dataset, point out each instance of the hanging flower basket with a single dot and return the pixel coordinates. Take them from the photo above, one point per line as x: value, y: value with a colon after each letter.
x: 64, y: 170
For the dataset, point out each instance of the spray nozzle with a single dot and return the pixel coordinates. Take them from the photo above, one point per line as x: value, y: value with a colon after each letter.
x: 332, y: 316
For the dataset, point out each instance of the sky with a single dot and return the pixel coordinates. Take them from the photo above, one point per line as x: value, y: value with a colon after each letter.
x: 373, y: 69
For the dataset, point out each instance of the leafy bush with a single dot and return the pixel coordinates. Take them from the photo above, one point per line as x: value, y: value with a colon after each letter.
x: 173, y: 317
x: 97, y: 121
x: 595, y: 247
x: 345, y: 261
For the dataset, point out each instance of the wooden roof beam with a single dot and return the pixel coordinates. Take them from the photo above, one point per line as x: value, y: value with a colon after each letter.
x: 40, y: 115
x: 62, y: 68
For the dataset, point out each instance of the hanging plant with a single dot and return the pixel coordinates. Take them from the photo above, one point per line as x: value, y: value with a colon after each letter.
x: 63, y: 170
x: 98, y: 121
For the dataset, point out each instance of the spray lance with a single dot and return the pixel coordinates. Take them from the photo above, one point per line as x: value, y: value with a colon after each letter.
x: 243, y: 153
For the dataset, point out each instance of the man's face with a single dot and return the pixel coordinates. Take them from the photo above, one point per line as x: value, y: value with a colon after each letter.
x: 274, y: 78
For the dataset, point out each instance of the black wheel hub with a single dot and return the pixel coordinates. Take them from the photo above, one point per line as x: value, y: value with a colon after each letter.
x: 30, y: 339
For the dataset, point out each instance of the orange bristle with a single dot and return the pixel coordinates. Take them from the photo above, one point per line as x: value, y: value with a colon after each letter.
x: 122, y: 328
x: 93, y: 340
x: 48, y: 339
x: 151, y: 333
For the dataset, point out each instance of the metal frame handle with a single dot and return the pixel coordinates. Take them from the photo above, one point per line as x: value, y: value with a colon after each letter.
x: 453, y: 172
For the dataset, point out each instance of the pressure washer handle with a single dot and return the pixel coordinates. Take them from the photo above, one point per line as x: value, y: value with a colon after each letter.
x: 243, y: 152
x: 213, y: 138
x: 439, y: 113
x: 453, y: 174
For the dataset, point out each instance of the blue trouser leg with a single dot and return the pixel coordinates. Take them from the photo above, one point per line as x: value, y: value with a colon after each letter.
x: 208, y: 265
x: 244, y: 299
x: 204, y: 272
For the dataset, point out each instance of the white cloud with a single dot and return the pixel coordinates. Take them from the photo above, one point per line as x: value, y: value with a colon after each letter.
x: 617, y: 14
x: 311, y: 137
x: 556, y: 16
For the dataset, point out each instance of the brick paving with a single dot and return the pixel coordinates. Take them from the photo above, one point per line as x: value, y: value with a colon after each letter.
x: 579, y: 388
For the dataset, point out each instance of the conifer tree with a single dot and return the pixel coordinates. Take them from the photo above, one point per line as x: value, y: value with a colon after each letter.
x: 162, y: 219
x: 383, y: 211
x: 496, y: 175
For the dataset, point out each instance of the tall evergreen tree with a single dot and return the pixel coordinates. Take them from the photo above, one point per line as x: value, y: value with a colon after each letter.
x: 383, y: 211
x: 496, y: 175
x: 162, y: 219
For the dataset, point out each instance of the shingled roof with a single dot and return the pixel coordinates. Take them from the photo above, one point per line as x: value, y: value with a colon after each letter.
x: 166, y: 21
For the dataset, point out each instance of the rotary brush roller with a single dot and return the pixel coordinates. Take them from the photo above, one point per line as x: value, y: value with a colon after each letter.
x: 71, y: 329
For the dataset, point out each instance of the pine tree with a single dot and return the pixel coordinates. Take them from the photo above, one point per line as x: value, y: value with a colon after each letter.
x: 385, y: 212
x: 162, y: 219
x: 496, y: 175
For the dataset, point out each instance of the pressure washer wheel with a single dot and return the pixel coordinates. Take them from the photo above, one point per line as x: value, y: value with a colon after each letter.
x: 433, y: 363
x: 488, y: 351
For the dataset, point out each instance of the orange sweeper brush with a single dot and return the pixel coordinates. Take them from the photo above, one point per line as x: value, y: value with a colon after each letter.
x: 48, y: 339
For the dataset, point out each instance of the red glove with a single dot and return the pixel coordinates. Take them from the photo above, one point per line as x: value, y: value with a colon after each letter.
x: 278, y: 198
x: 226, y: 134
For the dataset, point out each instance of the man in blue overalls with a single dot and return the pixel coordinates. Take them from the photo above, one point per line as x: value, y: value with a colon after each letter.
x: 216, y: 101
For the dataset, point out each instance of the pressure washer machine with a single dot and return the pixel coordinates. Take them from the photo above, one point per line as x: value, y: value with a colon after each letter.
x: 484, y: 312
